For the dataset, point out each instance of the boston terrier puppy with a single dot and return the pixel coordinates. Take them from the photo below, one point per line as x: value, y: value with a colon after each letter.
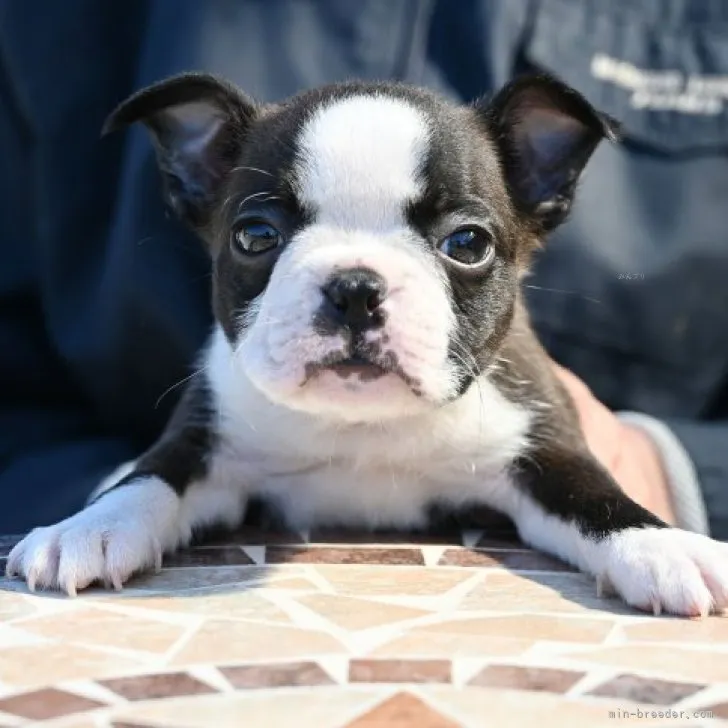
x: 372, y: 356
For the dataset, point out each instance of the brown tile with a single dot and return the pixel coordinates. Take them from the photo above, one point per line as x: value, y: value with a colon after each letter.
x: 214, y: 556
x: 403, y: 710
x: 153, y: 687
x: 327, y: 555
x: 293, y: 674
x: 47, y: 703
x: 526, y: 678
x: 645, y: 690
x: 342, y: 536
x: 515, y: 560
x: 400, y: 671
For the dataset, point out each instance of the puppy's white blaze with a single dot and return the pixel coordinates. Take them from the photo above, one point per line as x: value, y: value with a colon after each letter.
x: 360, y: 160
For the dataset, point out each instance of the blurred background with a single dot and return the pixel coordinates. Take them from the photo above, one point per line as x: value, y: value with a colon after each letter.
x: 104, y: 298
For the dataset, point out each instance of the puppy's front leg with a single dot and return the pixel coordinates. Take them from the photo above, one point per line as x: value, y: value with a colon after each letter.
x: 568, y: 505
x: 136, y: 516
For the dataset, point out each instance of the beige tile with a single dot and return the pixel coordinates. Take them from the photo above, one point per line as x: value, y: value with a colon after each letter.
x: 321, y: 707
x: 45, y: 664
x: 392, y: 581
x: 14, y: 605
x: 528, y: 627
x: 223, y: 641
x: 450, y: 645
x: 495, y: 707
x: 713, y: 630
x: 507, y: 592
x: 101, y: 628
x: 243, y: 605
x: 675, y: 662
x: 355, y: 614
x: 178, y: 580
x: 292, y: 584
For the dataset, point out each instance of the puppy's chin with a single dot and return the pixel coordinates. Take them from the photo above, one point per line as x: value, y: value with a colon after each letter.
x: 358, y: 395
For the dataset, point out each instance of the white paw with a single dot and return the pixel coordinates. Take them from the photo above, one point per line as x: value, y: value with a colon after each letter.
x: 666, y: 569
x: 126, y: 531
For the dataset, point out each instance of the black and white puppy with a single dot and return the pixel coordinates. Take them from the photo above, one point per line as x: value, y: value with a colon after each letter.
x: 372, y: 356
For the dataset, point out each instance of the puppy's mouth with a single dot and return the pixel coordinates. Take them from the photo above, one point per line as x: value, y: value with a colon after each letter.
x: 360, y: 366
x: 365, y: 369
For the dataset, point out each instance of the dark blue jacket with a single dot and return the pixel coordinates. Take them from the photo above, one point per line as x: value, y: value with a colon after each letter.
x: 104, y: 300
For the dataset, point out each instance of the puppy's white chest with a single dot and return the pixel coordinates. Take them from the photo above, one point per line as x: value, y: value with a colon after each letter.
x: 373, y: 497
x: 387, y: 475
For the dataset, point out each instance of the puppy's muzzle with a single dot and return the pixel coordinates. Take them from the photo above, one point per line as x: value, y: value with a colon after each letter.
x: 352, y: 302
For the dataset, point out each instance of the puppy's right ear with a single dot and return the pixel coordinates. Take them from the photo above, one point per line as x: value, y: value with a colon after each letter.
x: 197, y: 123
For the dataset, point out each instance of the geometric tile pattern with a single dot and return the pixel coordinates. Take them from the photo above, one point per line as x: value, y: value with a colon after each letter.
x: 354, y: 630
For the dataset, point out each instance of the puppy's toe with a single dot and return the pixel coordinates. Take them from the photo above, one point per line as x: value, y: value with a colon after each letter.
x: 666, y: 569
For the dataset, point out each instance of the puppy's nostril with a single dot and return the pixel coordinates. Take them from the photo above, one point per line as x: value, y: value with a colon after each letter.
x: 354, y: 297
x: 374, y: 302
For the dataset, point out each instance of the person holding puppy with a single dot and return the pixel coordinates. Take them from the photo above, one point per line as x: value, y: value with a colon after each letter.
x: 104, y: 299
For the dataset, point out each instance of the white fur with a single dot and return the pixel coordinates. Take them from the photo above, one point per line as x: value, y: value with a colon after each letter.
x: 359, y: 163
x: 124, y: 532
x: 360, y: 159
x: 653, y: 569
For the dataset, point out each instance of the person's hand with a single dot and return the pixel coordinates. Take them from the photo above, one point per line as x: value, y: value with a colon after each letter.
x: 625, y: 451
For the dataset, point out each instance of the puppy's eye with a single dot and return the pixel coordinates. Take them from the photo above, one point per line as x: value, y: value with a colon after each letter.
x: 253, y: 237
x: 467, y: 247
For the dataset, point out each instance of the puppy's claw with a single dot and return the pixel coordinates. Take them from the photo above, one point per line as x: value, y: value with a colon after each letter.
x: 116, y: 582
x: 656, y: 607
x: 70, y: 588
x: 31, y: 580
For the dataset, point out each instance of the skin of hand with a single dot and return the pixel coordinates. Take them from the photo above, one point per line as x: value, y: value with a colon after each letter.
x: 625, y: 451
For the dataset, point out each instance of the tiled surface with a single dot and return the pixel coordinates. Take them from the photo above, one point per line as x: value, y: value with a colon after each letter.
x: 339, y: 630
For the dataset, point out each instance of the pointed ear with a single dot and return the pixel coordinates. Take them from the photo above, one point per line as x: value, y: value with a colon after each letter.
x: 197, y: 123
x: 545, y: 133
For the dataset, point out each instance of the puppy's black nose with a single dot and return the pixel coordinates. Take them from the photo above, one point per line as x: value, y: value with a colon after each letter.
x: 353, y: 298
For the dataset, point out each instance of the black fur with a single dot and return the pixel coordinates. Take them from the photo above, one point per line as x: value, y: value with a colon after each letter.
x: 509, y: 166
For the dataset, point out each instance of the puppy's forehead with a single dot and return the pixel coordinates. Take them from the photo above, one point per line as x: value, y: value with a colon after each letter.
x: 360, y: 160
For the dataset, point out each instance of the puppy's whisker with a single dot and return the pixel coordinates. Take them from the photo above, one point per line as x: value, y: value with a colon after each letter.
x: 244, y: 168
x: 179, y: 384
x: 252, y: 196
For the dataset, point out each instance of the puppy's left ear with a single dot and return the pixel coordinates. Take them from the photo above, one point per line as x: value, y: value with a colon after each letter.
x: 545, y: 133
x: 197, y: 123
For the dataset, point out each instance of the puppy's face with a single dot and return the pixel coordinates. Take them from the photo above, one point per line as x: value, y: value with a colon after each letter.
x: 367, y: 240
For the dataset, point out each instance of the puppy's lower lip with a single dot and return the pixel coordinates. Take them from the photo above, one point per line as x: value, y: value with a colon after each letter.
x: 357, y: 366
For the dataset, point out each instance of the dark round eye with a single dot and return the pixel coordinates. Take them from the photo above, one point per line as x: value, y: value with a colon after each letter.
x: 468, y: 247
x: 256, y: 237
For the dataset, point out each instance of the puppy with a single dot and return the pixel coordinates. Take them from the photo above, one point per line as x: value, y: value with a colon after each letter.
x: 372, y: 356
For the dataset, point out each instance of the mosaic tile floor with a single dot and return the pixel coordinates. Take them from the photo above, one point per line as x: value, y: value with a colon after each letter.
x: 270, y: 630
